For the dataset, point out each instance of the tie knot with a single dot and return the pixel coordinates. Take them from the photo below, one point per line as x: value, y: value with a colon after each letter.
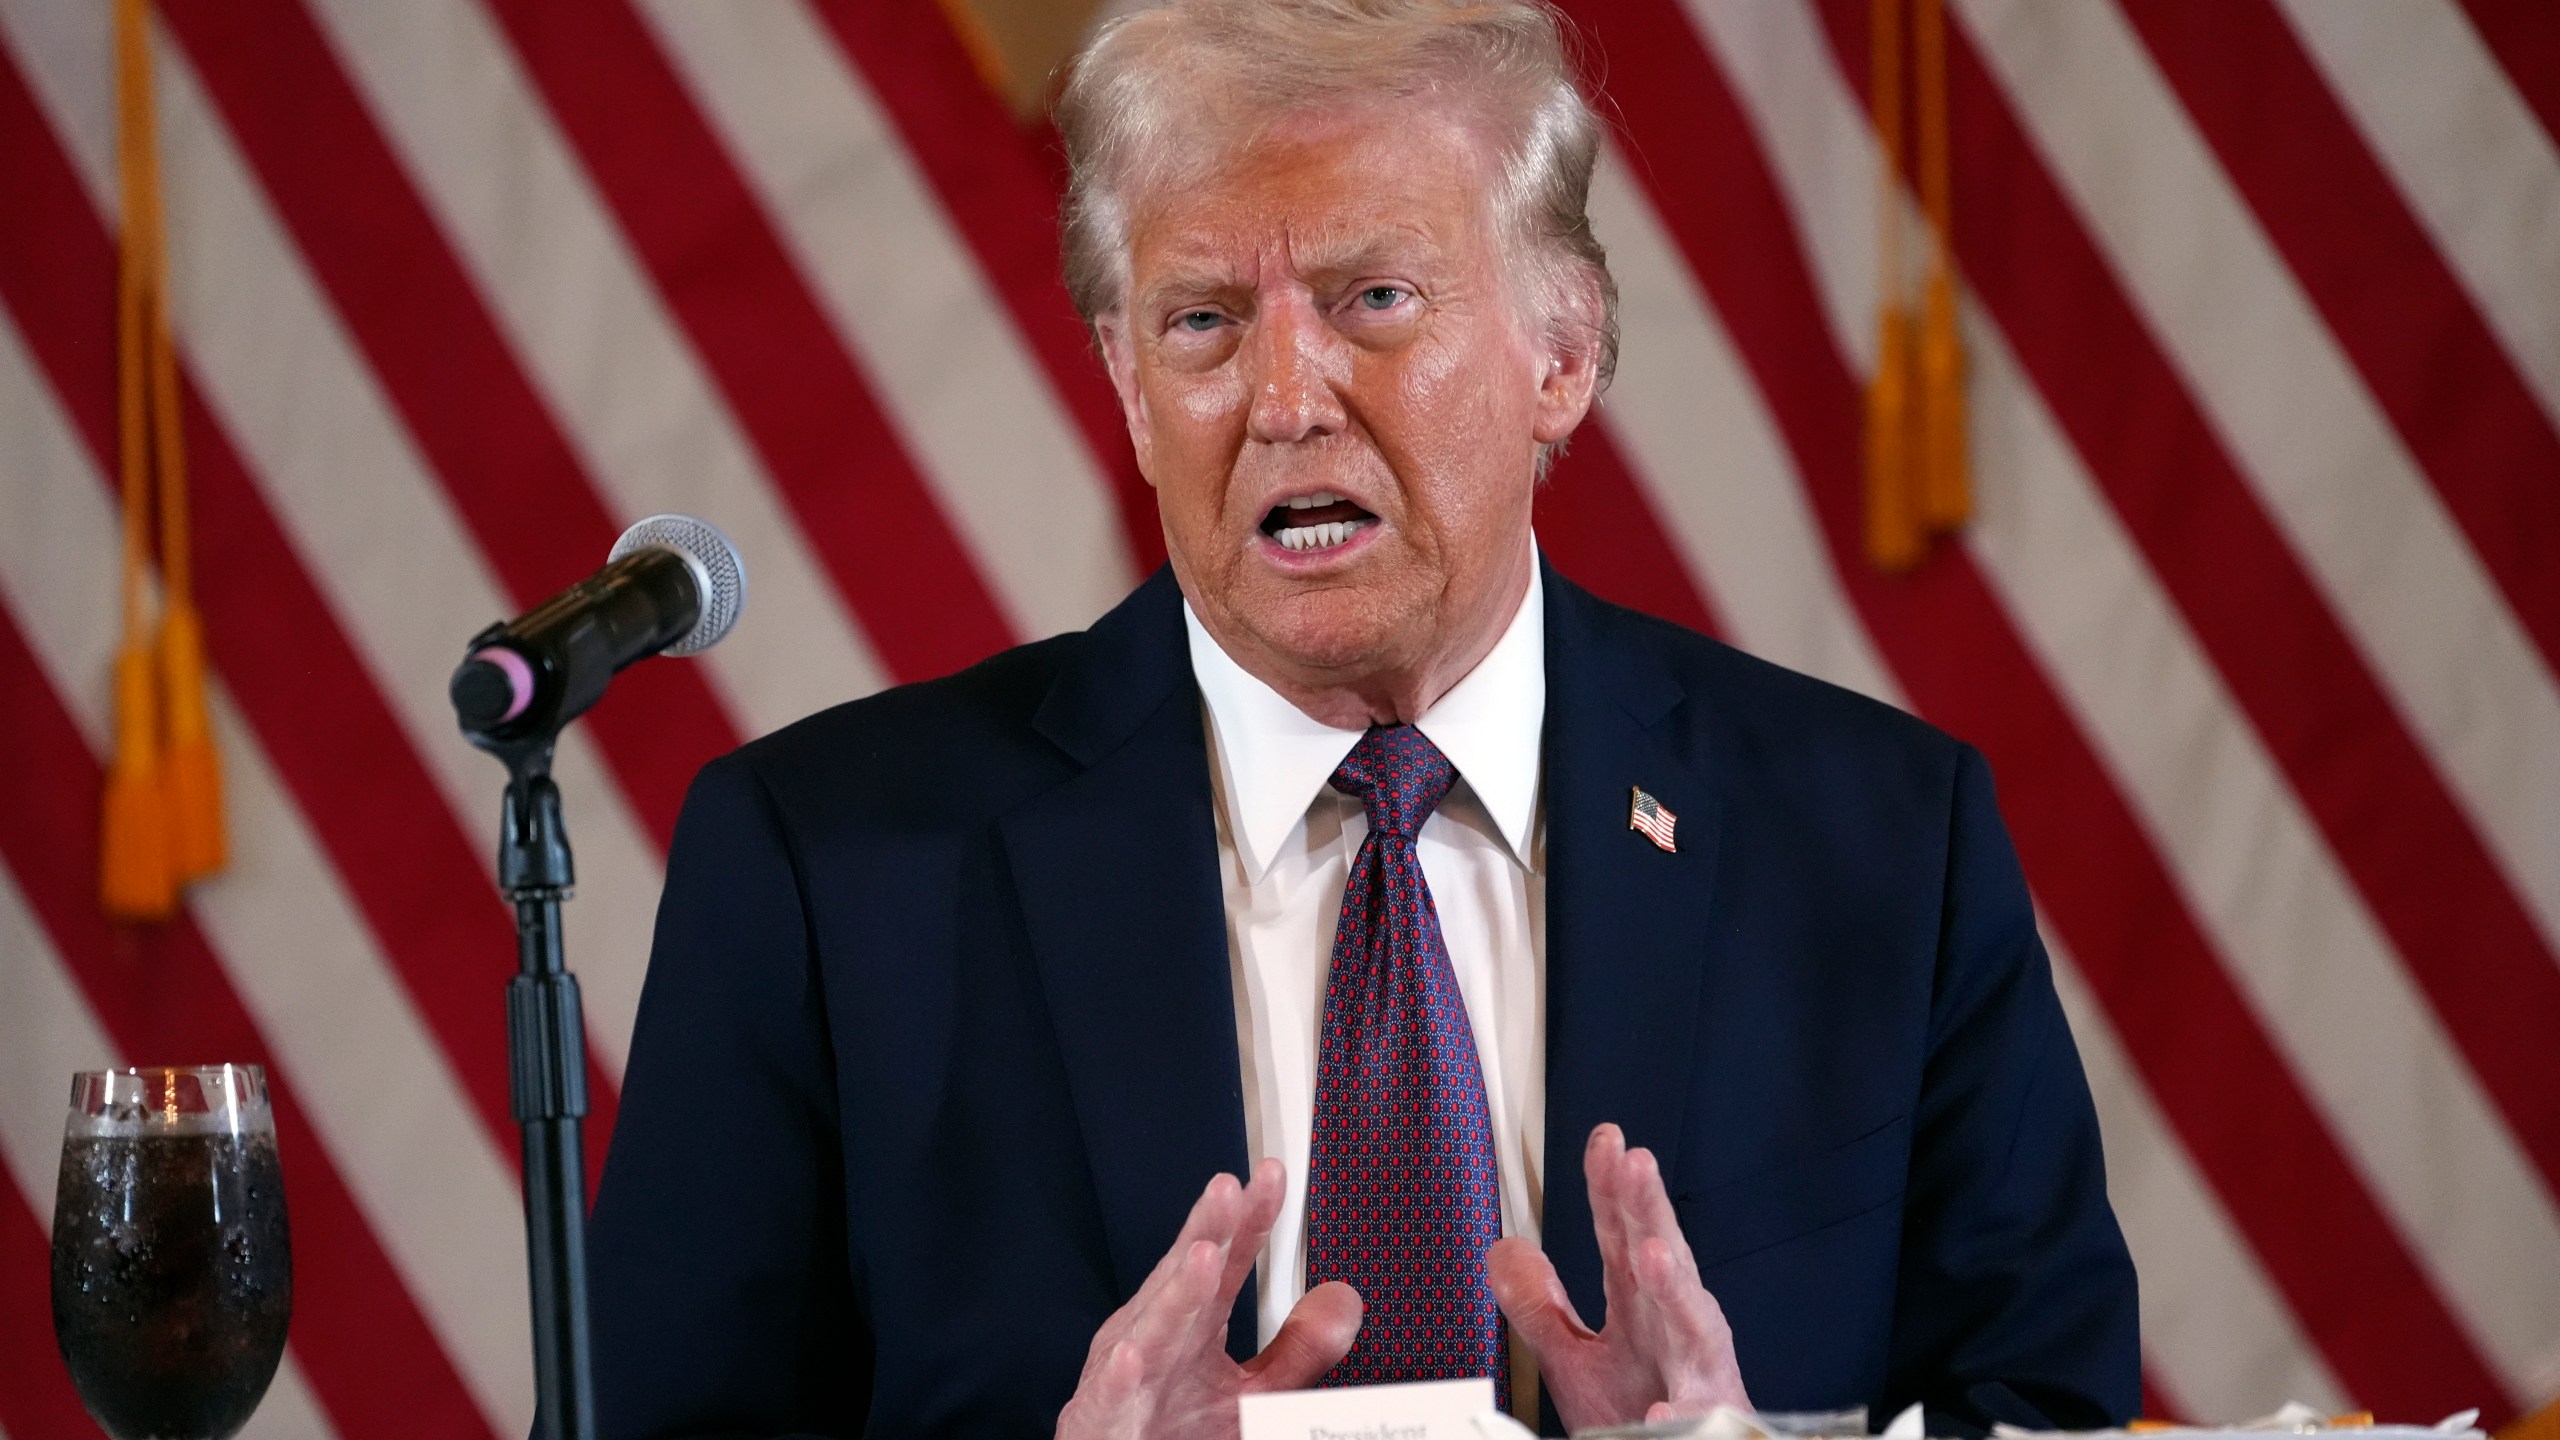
x: 1400, y: 777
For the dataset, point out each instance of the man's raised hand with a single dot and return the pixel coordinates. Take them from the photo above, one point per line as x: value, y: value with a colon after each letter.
x: 1666, y: 1350
x: 1158, y: 1368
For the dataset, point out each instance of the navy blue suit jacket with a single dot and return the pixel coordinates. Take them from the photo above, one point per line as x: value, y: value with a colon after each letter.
x: 937, y: 1045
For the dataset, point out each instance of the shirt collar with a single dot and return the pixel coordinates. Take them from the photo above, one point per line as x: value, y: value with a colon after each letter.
x: 1274, y: 759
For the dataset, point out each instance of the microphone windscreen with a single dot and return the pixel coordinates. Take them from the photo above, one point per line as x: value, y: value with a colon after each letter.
x: 718, y: 572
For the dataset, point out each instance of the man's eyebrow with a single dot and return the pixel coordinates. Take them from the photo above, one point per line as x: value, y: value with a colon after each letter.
x: 1384, y: 248
x: 1188, y: 280
x: 1367, y: 250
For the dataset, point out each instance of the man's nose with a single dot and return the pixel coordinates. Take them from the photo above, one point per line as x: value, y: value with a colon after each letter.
x: 1298, y: 363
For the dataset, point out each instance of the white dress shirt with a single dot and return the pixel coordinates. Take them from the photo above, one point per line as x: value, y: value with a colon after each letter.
x: 1286, y: 839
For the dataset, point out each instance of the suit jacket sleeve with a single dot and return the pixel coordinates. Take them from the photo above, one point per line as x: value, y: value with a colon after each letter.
x: 2015, y: 1299
x: 723, y: 1302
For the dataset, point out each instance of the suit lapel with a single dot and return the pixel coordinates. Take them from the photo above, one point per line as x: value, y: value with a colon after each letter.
x: 1626, y: 922
x: 1117, y: 872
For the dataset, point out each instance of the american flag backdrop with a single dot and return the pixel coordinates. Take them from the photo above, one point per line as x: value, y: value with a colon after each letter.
x: 2258, y: 617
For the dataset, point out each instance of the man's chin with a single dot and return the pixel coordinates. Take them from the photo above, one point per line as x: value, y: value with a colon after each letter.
x: 1334, y: 635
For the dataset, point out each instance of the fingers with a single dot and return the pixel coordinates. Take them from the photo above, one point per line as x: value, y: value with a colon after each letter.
x: 1174, y: 1308
x: 1647, y: 1205
x: 1112, y: 1401
x: 1525, y: 1285
x: 1699, y: 1367
x: 1320, y: 1330
x: 1603, y: 1165
x: 1671, y: 1308
x: 1178, y: 1319
x: 1630, y: 1206
x: 1257, y: 1209
x: 1233, y: 1221
x: 1687, y: 1326
x: 1652, y: 1281
x: 1166, y: 1324
x: 1213, y: 1218
x: 1218, y: 1217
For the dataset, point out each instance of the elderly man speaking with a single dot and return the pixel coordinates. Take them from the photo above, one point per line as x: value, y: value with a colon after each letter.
x: 1362, y: 955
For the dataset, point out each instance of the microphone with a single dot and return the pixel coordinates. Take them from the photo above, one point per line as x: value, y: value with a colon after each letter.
x: 672, y: 584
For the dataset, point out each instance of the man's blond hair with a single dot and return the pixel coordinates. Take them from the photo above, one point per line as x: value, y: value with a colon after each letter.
x: 1166, y: 91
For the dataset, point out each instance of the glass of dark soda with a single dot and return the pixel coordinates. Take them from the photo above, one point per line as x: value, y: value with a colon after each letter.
x: 172, y: 1265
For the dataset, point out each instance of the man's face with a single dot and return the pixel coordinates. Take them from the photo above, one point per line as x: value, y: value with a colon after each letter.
x: 1333, y: 388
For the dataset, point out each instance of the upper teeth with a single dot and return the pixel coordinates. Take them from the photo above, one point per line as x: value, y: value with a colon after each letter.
x: 1317, y: 501
x: 1320, y: 537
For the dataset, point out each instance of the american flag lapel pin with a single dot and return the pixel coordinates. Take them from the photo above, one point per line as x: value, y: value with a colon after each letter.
x: 1646, y: 814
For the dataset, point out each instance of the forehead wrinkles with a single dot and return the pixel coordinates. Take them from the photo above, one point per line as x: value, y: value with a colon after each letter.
x: 1314, y: 202
x: 1324, y: 249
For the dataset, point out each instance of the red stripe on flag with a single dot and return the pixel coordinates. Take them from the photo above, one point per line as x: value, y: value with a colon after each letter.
x: 413, y: 311
x: 2326, y: 1246
x: 2525, y: 36
x: 989, y: 174
x: 372, y: 1361
x: 2372, y: 789
x: 863, y: 504
x: 296, y: 676
x: 37, y: 1401
x: 1597, y: 526
x: 2156, y: 1401
x: 2388, y: 296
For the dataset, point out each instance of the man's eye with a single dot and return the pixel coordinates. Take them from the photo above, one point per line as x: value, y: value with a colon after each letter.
x: 1381, y: 297
x: 1198, y: 321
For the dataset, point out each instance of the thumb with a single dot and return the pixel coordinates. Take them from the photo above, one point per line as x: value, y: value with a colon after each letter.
x: 1318, y: 1333
x: 1526, y: 1287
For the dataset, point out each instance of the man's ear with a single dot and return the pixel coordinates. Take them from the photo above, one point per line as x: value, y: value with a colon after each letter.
x: 1120, y: 357
x: 1566, y: 388
x: 1571, y: 352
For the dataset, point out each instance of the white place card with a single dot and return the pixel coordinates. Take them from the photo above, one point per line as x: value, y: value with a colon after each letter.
x: 1427, y: 1410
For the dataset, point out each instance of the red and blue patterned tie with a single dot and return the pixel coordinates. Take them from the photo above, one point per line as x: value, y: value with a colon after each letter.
x: 1401, y: 1197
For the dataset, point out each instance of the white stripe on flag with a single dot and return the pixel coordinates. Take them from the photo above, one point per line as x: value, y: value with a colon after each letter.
x: 1820, y: 151
x: 402, y: 579
x: 2478, y: 170
x: 2221, y: 1336
x: 2332, y: 472
x: 596, y: 339
x: 1698, y: 437
x: 2254, y: 866
x: 441, y: 1199
x: 46, y: 1034
x: 2190, y: 1292
x: 401, y: 570
x: 2227, y: 826
x: 51, y: 568
x: 894, y: 276
x: 2198, y: 1272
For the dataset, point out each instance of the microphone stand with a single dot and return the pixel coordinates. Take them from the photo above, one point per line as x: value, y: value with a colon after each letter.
x: 672, y: 581
x: 547, y: 1054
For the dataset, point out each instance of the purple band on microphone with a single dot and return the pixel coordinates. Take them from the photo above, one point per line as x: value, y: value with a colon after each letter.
x: 519, y: 677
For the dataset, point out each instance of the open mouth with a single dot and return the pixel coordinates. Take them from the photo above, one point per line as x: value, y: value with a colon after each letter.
x: 1321, y: 521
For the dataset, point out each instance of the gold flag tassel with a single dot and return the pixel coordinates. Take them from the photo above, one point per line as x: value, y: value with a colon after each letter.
x: 136, y: 880
x: 1945, y: 498
x: 1895, y: 539
x: 162, y: 823
x: 195, y: 773
x: 1916, y: 462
